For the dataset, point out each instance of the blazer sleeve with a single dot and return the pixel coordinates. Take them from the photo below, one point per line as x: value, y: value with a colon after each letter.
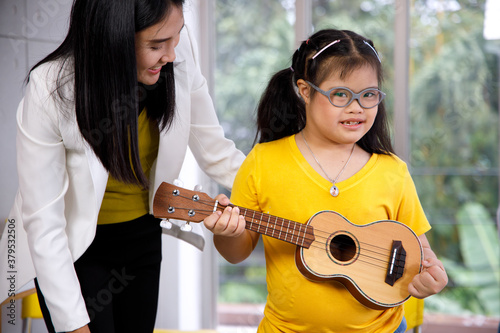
x: 216, y: 155
x: 43, y: 183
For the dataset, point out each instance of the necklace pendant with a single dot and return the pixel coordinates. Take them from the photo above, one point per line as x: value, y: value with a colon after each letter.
x: 334, y: 190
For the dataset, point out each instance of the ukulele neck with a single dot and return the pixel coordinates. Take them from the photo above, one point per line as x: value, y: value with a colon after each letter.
x: 279, y: 228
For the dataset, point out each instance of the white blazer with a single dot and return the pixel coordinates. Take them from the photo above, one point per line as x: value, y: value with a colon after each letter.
x: 62, y: 182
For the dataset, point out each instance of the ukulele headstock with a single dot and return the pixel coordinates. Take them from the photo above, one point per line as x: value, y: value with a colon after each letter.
x: 174, y: 202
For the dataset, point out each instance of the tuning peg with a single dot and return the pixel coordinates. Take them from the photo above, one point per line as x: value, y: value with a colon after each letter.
x: 187, y: 227
x: 179, y: 183
x: 198, y: 188
x: 165, y: 223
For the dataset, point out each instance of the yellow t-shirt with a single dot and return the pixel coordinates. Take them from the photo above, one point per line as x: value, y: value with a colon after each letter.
x: 276, y: 179
x: 124, y: 202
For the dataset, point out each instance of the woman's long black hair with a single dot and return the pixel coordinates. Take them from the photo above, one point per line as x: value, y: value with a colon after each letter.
x: 100, y: 45
x: 281, y: 112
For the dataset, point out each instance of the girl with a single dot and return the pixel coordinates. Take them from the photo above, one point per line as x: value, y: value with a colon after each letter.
x: 324, y: 145
x: 105, y: 119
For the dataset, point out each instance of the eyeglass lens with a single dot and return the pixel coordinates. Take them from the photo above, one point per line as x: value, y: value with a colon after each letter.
x: 367, y: 98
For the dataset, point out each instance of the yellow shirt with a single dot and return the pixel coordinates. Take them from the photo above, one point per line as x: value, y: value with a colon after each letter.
x: 124, y: 202
x: 276, y: 179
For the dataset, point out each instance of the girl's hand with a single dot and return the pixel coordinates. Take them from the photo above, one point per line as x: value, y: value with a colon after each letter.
x: 430, y: 281
x: 228, y: 223
x: 433, y: 278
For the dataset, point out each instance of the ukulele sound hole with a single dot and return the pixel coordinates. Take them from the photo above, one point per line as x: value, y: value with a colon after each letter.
x: 343, y: 248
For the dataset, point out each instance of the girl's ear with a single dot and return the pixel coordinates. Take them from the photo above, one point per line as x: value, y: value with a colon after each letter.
x: 304, y: 90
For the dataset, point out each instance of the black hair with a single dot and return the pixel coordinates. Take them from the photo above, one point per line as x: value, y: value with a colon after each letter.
x: 100, y: 47
x: 281, y: 112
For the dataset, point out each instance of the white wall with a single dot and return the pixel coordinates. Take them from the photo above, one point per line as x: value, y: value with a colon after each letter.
x: 30, y: 29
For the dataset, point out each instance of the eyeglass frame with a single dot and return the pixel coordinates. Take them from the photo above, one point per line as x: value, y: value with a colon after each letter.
x: 353, y: 97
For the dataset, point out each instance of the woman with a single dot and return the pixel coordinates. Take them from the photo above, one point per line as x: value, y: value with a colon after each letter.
x: 105, y: 119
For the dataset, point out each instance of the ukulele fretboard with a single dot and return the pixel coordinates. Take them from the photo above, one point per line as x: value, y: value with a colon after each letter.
x: 279, y: 228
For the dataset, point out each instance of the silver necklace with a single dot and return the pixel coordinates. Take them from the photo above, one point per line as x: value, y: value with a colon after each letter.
x: 334, y: 190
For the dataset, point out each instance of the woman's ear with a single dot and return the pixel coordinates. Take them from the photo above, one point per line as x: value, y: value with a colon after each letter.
x: 304, y: 90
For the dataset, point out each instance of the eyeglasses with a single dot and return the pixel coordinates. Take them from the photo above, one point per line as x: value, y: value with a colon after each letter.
x: 342, y: 96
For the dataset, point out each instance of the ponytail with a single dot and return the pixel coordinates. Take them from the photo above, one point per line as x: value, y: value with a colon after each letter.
x: 281, y: 112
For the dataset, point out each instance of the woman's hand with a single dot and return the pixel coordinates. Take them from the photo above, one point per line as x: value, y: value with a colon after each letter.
x: 433, y: 278
x: 84, y: 329
x: 228, y: 223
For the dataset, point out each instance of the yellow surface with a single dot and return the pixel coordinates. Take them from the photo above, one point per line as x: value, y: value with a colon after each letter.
x: 414, y: 312
x: 31, y: 307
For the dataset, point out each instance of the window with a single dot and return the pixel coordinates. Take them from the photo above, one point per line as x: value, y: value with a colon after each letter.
x: 454, y: 148
x: 253, y: 40
x: 452, y: 141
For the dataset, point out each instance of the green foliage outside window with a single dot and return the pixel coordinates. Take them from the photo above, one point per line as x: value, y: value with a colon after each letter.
x: 453, y: 114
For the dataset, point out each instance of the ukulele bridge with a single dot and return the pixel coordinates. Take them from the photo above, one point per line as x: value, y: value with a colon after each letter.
x: 397, y: 262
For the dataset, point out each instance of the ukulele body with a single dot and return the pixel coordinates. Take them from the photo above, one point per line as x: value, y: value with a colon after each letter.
x: 359, y: 256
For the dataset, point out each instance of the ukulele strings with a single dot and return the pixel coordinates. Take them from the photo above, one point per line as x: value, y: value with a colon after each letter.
x: 320, y: 240
x: 367, y: 255
x: 272, y: 225
x: 384, y: 254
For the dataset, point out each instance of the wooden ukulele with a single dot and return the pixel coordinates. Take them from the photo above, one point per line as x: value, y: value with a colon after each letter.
x: 375, y: 262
